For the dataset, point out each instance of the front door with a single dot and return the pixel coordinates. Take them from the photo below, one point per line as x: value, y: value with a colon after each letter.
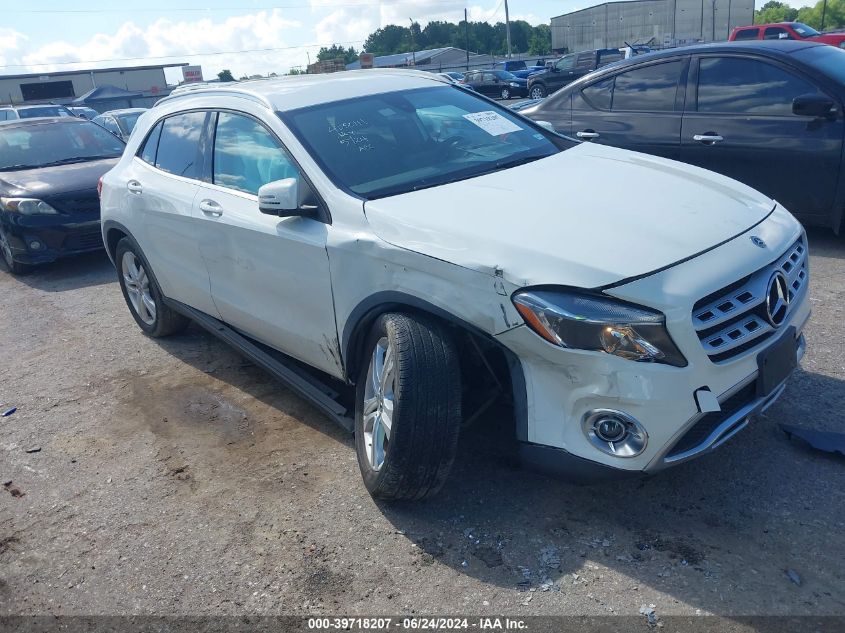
x: 269, y: 276
x: 739, y: 122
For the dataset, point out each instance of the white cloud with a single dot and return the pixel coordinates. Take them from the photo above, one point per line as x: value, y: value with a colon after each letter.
x: 167, y: 38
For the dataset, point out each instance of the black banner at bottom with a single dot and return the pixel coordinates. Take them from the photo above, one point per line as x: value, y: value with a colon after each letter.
x: 389, y: 624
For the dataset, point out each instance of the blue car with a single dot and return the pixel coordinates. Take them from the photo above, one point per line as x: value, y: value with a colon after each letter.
x: 519, y: 68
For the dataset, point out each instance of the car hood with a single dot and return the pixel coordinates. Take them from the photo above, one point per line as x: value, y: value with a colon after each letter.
x: 594, y: 215
x: 49, y: 181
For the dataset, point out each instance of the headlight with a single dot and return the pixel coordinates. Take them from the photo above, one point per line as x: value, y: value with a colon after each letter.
x: 593, y: 322
x: 27, y: 206
x: 514, y: 84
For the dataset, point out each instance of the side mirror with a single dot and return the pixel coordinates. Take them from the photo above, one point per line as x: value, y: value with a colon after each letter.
x: 814, y: 105
x: 546, y: 126
x: 281, y: 198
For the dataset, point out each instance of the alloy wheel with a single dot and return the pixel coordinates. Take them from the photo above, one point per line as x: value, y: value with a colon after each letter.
x: 138, y: 288
x: 506, y: 94
x: 6, y: 249
x: 379, y: 397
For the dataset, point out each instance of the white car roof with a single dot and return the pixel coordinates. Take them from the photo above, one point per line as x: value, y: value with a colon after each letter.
x: 299, y: 91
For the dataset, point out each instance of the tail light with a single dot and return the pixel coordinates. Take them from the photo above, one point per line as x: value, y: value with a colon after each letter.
x: 100, y: 187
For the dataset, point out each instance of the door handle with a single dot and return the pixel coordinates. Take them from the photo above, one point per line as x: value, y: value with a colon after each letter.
x: 588, y: 134
x: 133, y: 186
x: 211, y: 208
x: 708, y: 139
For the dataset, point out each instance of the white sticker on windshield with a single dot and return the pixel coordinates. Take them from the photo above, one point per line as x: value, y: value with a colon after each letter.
x: 492, y: 122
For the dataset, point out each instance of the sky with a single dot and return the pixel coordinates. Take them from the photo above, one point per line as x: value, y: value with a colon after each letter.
x: 246, y: 36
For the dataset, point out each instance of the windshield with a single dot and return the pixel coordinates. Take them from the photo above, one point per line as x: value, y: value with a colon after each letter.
x: 829, y: 60
x: 54, y: 144
x: 803, y: 30
x: 29, y: 113
x: 127, y: 121
x: 392, y: 143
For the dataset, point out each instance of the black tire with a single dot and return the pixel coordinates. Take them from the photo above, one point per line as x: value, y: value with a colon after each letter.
x: 538, y: 91
x: 426, y: 414
x: 165, y: 321
x: 15, y: 267
x: 506, y: 94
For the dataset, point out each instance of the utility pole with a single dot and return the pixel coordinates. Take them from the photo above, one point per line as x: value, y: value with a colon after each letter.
x: 508, y: 27
x: 413, y: 45
x: 466, y: 36
x: 824, y: 11
x: 713, y: 20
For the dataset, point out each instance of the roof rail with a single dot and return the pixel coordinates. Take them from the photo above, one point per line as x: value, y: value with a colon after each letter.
x: 216, y: 90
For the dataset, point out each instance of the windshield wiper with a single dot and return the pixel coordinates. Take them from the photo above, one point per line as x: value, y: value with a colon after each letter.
x: 77, y: 159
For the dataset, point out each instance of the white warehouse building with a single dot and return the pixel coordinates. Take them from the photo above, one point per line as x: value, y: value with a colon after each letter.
x: 658, y: 23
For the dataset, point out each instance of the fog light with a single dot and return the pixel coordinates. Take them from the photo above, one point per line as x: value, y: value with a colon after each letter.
x: 614, y: 432
x: 35, y: 245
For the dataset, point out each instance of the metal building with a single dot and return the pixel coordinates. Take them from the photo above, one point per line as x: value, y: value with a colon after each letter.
x: 65, y: 86
x: 658, y: 23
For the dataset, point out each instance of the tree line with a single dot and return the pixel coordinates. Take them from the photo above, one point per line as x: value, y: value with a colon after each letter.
x: 775, y: 11
x: 477, y: 37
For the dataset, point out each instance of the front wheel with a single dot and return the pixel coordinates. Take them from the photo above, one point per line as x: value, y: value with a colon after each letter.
x: 15, y: 267
x: 537, y: 92
x: 506, y: 93
x: 143, y: 295
x: 408, y: 408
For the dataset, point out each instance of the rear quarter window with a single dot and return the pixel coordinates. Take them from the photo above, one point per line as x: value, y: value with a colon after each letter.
x: 179, y: 144
x: 747, y: 34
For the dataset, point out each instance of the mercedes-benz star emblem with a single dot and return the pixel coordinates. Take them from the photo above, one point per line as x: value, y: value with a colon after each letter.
x: 777, y: 299
x: 757, y: 241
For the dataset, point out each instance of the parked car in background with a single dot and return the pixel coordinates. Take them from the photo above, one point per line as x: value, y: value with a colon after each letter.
x: 84, y: 112
x: 769, y: 114
x: 454, y: 77
x: 569, y: 68
x: 786, y: 31
x: 518, y: 68
x: 12, y: 113
x: 120, y: 122
x: 49, y: 168
x: 385, y: 231
x: 496, y: 83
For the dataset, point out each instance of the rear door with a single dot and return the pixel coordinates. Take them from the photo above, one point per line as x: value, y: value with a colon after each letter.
x: 269, y: 276
x: 161, y: 185
x: 638, y: 109
x: 739, y: 122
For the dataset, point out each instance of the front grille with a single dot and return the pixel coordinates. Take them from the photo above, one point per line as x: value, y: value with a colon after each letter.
x: 733, y: 320
x: 76, y: 202
x: 702, y: 429
x: 83, y: 241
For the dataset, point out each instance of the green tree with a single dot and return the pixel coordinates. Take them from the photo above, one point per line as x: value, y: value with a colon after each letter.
x: 541, y: 40
x: 775, y: 11
x: 335, y: 51
x: 225, y: 75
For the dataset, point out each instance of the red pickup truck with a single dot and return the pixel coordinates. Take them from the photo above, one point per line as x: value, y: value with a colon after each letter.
x: 786, y: 31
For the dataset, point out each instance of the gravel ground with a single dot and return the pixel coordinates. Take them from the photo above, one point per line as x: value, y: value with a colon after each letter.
x: 172, y: 477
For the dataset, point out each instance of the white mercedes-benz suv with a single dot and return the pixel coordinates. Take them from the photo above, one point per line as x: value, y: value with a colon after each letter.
x: 373, y: 239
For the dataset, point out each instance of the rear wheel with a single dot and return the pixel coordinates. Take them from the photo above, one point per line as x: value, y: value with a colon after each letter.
x: 538, y: 91
x: 408, y: 408
x: 143, y: 295
x: 16, y: 268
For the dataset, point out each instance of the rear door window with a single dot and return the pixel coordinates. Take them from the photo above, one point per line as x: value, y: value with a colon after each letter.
x: 648, y: 89
x: 747, y: 34
x: 600, y: 94
x: 747, y: 86
x: 179, y: 145
x: 776, y: 33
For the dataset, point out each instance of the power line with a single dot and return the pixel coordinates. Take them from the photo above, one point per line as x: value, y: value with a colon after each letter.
x: 208, y: 9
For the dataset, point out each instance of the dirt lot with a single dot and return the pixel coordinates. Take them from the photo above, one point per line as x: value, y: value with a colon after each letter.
x: 174, y: 477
